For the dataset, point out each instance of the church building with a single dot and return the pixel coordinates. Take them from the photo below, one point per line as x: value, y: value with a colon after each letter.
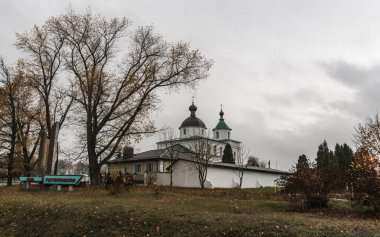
x: 219, y: 174
x: 193, y: 128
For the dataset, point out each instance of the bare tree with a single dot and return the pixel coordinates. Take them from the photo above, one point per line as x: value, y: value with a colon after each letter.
x: 171, y: 150
x: 254, y: 161
x: 41, y: 67
x: 28, y: 126
x: 201, y: 156
x: 241, y: 162
x: 114, y: 104
x: 8, y: 106
x: 367, y: 136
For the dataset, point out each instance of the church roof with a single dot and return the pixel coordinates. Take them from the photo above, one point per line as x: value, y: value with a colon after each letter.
x: 193, y: 120
x: 221, y: 124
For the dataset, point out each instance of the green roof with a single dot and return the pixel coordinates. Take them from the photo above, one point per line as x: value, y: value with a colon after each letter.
x: 222, y: 125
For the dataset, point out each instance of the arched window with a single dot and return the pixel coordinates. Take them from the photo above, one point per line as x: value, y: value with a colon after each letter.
x: 184, y: 131
x: 214, y: 150
x: 217, y: 135
x: 228, y: 135
x: 202, y: 131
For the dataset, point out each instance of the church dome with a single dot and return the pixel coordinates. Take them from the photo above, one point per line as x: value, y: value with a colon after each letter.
x: 193, y: 121
x: 221, y: 124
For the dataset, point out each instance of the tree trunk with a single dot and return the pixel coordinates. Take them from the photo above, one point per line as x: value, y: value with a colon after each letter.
x: 241, y: 182
x: 26, y: 162
x: 201, y: 180
x: 13, y: 144
x: 94, y: 168
x: 171, y: 177
x: 10, y: 169
x: 47, y: 117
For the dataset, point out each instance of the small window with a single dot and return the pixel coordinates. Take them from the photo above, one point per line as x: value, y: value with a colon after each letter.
x: 217, y: 135
x: 228, y: 135
x: 234, y: 155
x: 214, y: 150
x: 184, y: 131
x: 202, y: 131
x: 149, y: 167
x: 221, y: 151
x: 138, y: 168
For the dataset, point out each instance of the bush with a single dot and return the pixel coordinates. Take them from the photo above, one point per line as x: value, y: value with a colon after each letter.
x: 151, y: 179
x: 365, y: 179
x: 307, y: 186
x: 116, y: 182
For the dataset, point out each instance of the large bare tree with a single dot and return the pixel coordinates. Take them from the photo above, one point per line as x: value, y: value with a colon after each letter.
x: 28, y: 125
x: 41, y: 66
x: 8, y: 106
x: 115, y: 97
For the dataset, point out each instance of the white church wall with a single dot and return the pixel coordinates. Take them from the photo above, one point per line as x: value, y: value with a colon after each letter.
x: 221, y: 134
x: 191, y: 132
x: 229, y: 178
x: 184, y: 175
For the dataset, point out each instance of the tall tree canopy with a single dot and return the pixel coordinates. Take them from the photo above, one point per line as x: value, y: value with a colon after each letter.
x: 9, y: 105
x: 113, y: 95
x: 302, y: 162
x: 344, y: 156
x: 367, y: 136
x: 325, y: 157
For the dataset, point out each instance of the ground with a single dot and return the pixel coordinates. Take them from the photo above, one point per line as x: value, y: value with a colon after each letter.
x: 172, y: 212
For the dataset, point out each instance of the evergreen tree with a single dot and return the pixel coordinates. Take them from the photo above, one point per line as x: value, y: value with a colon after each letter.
x: 325, y: 157
x: 344, y: 156
x: 228, y: 157
x: 302, y: 162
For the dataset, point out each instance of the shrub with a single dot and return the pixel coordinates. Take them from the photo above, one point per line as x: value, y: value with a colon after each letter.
x: 365, y: 179
x: 116, y: 182
x: 151, y: 179
x: 307, y: 186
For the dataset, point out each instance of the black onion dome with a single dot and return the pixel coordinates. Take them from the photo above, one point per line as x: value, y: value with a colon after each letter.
x: 193, y: 121
x: 221, y: 114
x: 193, y: 108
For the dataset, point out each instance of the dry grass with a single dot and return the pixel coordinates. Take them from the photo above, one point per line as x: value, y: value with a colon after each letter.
x: 171, y: 212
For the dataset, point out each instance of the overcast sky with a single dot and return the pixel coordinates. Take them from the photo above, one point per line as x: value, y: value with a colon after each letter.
x: 288, y: 73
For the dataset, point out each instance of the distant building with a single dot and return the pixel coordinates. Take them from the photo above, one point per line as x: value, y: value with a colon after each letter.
x: 219, y: 175
x: 193, y: 127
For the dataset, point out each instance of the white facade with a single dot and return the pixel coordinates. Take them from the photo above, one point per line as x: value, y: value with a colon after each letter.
x: 221, y: 134
x: 187, y: 132
x: 217, y: 146
x: 185, y: 175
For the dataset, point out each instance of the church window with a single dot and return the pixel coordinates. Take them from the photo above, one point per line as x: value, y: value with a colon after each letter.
x: 228, y: 135
x: 221, y: 151
x: 202, y: 131
x: 184, y: 131
x: 214, y: 150
x: 217, y: 135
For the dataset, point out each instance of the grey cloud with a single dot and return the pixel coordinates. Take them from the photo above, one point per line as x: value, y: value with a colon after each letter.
x: 353, y: 75
x: 364, y: 81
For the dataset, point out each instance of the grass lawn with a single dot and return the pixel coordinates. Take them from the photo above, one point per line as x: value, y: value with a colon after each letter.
x: 171, y: 212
